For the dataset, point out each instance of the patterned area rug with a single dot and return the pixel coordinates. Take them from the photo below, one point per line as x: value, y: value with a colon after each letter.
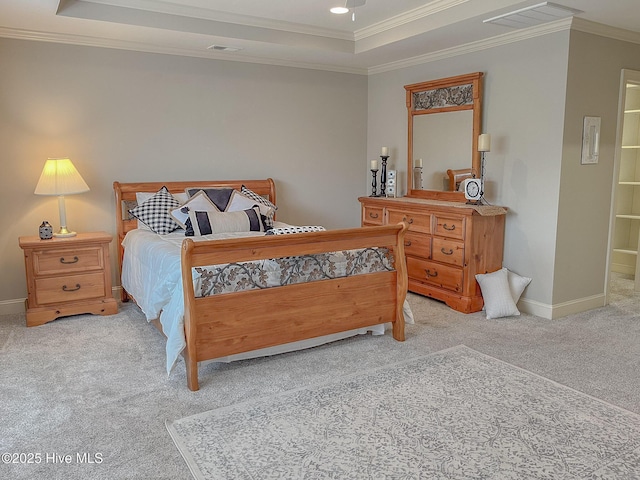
x: 455, y: 414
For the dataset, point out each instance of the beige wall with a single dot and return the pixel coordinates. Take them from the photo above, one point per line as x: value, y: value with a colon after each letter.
x: 537, y: 92
x: 524, y: 99
x: 593, y: 87
x: 131, y: 116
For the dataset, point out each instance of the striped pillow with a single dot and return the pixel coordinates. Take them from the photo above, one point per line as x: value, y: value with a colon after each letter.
x: 207, y: 222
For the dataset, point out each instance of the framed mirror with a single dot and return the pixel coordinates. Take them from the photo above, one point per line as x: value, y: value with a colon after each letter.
x: 444, y: 122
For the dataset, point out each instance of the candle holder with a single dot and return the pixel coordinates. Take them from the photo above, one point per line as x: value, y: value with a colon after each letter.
x: 374, y: 185
x: 383, y: 175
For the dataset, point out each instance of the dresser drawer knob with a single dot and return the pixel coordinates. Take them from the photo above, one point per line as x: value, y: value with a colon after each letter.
x: 447, y: 252
x: 65, y: 289
x: 373, y: 215
x: 407, y: 243
x: 408, y: 220
x: 75, y: 260
x: 430, y: 273
x: 447, y: 227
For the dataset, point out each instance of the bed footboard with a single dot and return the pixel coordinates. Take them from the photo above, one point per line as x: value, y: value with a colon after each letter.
x: 263, y: 318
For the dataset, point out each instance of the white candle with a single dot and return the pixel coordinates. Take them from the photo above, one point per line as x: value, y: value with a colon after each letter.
x: 374, y: 164
x: 385, y: 151
x: 418, y: 163
x: 484, y: 143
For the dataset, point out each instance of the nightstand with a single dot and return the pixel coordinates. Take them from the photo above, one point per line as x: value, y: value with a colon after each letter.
x: 67, y: 276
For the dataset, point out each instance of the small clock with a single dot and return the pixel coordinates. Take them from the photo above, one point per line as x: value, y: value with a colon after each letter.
x: 473, y: 189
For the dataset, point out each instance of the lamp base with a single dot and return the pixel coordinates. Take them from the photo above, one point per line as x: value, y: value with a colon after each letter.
x: 64, y: 233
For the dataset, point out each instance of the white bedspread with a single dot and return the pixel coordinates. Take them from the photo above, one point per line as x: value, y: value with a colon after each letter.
x: 151, y: 274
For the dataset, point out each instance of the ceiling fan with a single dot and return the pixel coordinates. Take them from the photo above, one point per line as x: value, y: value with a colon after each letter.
x: 349, y: 5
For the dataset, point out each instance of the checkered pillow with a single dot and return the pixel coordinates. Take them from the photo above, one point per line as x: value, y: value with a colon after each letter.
x: 156, y: 212
x: 263, y: 201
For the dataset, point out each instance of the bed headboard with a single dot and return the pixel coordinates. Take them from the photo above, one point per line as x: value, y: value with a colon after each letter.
x: 126, y: 198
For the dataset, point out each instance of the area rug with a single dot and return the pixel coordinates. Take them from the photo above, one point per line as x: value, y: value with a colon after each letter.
x: 455, y: 414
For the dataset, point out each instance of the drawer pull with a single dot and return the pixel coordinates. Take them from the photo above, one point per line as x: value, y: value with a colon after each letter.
x: 65, y: 289
x: 408, y: 220
x: 407, y: 243
x: 373, y: 215
x: 447, y: 227
x: 445, y: 252
x: 430, y: 273
x: 75, y: 260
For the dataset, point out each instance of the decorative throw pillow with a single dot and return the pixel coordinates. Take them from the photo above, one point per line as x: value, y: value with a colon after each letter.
x: 239, y: 201
x: 301, y: 229
x: 206, y: 222
x: 498, y: 301
x: 262, y: 201
x: 517, y: 284
x: 142, y: 197
x: 200, y: 201
x: 155, y: 212
x: 219, y: 196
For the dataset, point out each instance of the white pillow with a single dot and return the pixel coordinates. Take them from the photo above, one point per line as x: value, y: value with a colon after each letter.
x: 498, y: 301
x: 142, y: 197
x: 238, y: 201
x: 206, y: 222
x: 517, y: 284
x: 200, y: 201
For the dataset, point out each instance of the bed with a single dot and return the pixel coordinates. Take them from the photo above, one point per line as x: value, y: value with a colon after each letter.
x: 231, y: 324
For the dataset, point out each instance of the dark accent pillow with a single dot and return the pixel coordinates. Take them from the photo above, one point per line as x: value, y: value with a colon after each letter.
x: 219, y: 196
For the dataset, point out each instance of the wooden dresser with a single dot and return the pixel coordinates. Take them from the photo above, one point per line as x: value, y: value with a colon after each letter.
x: 447, y: 244
x: 67, y: 276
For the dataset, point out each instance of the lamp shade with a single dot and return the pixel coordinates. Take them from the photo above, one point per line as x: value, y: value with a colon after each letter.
x: 484, y: 142
x: 60, y: 177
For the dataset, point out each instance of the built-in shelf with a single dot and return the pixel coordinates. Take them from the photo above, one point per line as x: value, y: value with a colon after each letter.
x: 626, y: 251
x: 632, y: 111
x: 628, y: 183
x: 631, y: 217
x: 631, y: 146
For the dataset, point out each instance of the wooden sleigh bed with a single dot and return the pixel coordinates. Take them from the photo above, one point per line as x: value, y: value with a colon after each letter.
x: 230, y: 323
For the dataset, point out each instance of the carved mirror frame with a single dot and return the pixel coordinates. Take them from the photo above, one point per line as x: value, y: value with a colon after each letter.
x: 463, y: 92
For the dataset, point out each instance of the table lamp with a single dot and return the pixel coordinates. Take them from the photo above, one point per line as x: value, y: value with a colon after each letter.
x: 59, y: 177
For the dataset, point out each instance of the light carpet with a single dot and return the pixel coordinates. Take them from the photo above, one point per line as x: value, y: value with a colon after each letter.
x: 454, y: 414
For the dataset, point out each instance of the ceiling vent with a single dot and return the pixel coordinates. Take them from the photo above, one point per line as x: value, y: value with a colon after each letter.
x: 534, y: 15
x: 224, y: 48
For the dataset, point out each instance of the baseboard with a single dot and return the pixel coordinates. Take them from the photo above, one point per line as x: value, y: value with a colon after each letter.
x: 12, y: 307
x: 561, y: 309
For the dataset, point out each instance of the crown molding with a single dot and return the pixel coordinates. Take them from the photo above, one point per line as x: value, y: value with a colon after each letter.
x: 406, y: 17
x: 504, y: 39
x: 88, y: 41
x: 170, y: 8
x: 602, y: 30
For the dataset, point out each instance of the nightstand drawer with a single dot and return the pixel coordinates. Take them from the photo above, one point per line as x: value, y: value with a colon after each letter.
x: 452, y: 227
x: 62, y: 261
x: 448, y: 251
x: 373, y: 215
x: 418, y: 222
x: 435, y: 274
x: 69, y: 288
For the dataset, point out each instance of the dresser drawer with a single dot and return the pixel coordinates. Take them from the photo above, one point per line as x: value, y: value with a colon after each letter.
x: 372, y: 215
x: 435, y: 274
x: 452, y: 227
x: 69, y: 288
x: 417, y: 245
x: 448, y: 251
x: 418, y: 222
x: 64, y: 261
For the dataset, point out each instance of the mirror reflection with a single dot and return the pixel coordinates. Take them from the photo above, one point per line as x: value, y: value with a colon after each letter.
x: 443, y: 141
